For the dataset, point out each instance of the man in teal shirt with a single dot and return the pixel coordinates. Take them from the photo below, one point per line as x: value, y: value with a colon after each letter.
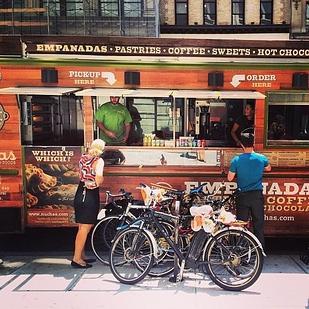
x: 114, y: 121
x: 249, y: 168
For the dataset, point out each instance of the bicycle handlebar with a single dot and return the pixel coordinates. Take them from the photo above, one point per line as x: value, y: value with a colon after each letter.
x: 122, y: 194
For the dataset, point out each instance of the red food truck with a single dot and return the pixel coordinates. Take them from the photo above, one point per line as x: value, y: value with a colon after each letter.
x: 188, y: 94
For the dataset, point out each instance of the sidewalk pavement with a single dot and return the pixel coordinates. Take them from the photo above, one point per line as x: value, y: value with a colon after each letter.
x: 48, y: 282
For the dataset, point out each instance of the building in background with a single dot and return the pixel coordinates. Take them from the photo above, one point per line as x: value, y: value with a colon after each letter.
x: 151, y: 18
x: 239, y: 18
x: 80, y: 17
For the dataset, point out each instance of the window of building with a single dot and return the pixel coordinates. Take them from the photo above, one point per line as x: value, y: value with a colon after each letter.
x: 132, y: 8
x: 109, y: 8
x: 18, y: 4
x: 288, y: 119
x: 307, y: 16
x: 238, y: 12
x: 68, y: 8
x: 5, y: 4
x: 74, y: 8
x: 181, y: 12
x: 126, y: 8
x: 266, y: 12
x: 210, y: 12
x: 54, y: 7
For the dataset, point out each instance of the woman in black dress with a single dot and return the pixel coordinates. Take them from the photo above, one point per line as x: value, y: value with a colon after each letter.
x: 87, y: 199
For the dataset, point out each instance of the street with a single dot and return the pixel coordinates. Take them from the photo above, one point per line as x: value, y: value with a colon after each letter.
x: 36, y: 273
x: 47, y: 281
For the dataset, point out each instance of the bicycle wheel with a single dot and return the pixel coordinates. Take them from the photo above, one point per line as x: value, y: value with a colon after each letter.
x: 164, y: 264
x: 234, y: 260
x: 131, y: 256
x: 102, y: 235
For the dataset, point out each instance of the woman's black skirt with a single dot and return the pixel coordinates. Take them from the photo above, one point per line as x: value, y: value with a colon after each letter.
x: 86, y: 204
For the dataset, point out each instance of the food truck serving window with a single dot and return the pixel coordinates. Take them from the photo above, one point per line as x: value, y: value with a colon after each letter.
x: 288, y: 119
x: 168, y: 118
x: 51, y: 120
x: 152, y: 116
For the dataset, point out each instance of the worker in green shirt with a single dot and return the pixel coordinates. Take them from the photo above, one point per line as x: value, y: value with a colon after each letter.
x: 114, y: 121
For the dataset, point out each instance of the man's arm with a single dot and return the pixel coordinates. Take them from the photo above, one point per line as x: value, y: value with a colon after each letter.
x: 110, y: 134
x: 230, y: 176
x: 127, y: 127
x: 234, y: 135
x: 267, y: 168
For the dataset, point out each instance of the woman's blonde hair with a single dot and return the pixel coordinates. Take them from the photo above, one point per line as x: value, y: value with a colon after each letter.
x: 96, y: 148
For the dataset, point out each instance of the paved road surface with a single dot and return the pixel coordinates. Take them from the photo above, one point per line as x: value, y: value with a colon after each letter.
x: 36, y: 274
x: 47, y: 281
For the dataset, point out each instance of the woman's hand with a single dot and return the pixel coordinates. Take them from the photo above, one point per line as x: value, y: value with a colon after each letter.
x: 90, y: 185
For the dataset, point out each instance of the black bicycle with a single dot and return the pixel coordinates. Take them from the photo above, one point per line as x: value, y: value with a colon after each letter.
x: 121, y: 211
x: 230, y: 254
x: 115, y: 216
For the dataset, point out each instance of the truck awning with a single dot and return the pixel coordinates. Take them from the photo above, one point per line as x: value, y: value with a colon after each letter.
x: 139, y: 93
x: 208, y: 94
x: 164, y: 93
x: 153, y: 93
x: 38, y: 90
x: 104, y: 92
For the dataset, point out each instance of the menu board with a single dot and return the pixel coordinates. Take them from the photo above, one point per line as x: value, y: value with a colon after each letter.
x: 52, y: 177
x: 286, y: 158
x: 277, y: 158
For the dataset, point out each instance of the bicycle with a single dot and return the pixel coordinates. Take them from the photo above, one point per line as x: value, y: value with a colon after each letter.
x: 113, y: 217
x: 120, y: 212
x: 232, y: 256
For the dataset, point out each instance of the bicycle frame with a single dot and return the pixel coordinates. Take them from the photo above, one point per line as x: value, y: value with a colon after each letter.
x: 140, y: 223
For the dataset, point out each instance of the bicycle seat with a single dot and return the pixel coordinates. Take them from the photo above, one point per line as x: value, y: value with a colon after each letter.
x: 239, y: 223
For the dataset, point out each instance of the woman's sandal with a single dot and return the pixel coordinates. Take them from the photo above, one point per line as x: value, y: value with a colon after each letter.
x: 76, y: 265
x: 90, y: 260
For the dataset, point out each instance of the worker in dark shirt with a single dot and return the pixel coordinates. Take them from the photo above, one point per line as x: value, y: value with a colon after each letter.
x: 243, y: 124
x: 136, y: 131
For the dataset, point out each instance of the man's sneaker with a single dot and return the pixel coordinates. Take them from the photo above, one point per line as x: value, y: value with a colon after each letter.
x: 1, y: 261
